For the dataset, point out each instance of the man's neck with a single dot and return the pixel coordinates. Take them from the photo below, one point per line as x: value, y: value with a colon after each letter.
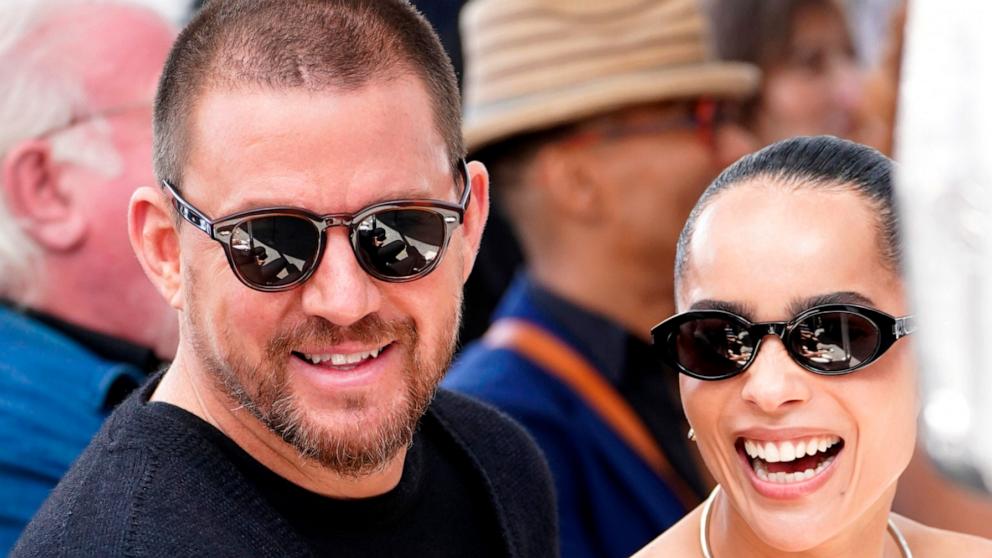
x: 188, y: 386
x: 106, y: 307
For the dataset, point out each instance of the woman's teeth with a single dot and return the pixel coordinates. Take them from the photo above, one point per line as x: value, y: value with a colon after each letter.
x: 789, y: 450
x: 788, y: 478
x: 791, y: 461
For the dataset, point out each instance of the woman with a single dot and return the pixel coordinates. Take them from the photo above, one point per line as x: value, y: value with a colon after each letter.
x: 812, y: 81
x: 800, y: 390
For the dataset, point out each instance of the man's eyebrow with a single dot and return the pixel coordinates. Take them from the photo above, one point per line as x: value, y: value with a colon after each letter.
x: 743, y: 310
x: 799, y: 305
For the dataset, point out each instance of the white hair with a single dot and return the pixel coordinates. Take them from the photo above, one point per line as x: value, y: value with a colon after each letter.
x: 35, y: 101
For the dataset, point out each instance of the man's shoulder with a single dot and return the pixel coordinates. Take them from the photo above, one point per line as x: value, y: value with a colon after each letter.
x: 496, y: 443
x: 514, y: 469
x: 141, y: 485
x: 475, y: 423
x: 47, y: 378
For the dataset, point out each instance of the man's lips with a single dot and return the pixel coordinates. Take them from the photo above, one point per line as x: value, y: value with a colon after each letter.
x: 343, y: 357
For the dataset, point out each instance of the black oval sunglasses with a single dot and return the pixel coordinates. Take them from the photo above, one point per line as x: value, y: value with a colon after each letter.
x: 278, y: 248
x: 830, y: 339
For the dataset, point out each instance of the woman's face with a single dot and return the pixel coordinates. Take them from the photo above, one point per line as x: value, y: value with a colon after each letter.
x: 817, y: 87
x: 773, y: 251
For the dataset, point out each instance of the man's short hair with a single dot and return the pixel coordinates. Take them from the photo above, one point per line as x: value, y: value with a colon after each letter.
x: 314, y: 45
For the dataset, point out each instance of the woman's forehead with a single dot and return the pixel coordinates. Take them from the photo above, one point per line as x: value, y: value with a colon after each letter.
x: 767, y: 245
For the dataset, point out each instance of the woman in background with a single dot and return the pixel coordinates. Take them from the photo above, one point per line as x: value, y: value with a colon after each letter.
x: 812, y: 81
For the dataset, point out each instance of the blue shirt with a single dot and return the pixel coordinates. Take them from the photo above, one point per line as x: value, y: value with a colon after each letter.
x: 610, y: 502
x: 54, y: 395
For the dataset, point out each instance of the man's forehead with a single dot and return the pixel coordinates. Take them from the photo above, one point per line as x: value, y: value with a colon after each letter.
x: 328, y: 151
x: 383, y: 113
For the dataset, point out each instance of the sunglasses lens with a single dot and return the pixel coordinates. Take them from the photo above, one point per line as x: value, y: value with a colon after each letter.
x: 711, y: 347
x: 401, y: 243
x: 274, y: 251
x: 835, y: 342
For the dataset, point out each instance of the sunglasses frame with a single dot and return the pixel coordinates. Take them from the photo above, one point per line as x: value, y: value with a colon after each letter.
x: 890, y: 329
x: 220, y: 230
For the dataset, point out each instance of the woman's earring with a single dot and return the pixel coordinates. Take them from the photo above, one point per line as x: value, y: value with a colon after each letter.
x: 692, y: 434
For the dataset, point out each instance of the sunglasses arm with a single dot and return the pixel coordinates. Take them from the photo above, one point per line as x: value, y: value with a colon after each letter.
x: 189, y: 212
x: 904, y: 326
x: 467, y: 191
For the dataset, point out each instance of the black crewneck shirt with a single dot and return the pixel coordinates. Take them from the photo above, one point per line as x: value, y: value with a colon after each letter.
x: 437, y: 494
x: 158, y: 481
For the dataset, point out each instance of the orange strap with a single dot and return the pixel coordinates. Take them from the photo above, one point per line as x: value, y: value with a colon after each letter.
x: 570, y: 367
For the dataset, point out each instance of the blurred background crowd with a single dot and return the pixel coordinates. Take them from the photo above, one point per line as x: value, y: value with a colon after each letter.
x: 600, y: 123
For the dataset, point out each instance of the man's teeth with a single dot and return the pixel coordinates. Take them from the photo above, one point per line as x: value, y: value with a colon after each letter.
x: 789, y: 450
x: 787, y: 478
x: 339, y: 359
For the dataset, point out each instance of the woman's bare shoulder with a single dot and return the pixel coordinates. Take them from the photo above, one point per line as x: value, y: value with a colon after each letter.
x: 927, y: 541
x: 681, y: 539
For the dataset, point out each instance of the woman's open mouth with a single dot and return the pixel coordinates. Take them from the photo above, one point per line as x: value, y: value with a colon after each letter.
x: 790, y: 461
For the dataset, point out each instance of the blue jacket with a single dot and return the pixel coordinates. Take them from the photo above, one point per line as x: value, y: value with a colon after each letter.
x: 610, y: 503
x: 53, y: 395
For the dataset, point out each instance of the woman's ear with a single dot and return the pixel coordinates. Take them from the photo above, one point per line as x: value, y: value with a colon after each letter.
x: 155, y: 240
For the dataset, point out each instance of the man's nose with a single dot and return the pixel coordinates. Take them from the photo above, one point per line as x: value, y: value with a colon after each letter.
x: 339, y: 290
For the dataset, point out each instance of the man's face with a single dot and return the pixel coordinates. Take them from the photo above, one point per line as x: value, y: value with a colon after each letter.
x: 118, y: 61
x: 657, y: 163
x: 383, y: 346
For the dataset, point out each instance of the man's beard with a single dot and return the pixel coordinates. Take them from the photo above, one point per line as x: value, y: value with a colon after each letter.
x: 352, y: 450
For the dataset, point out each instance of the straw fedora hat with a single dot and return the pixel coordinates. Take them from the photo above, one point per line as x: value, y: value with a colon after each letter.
x: 534, y: 64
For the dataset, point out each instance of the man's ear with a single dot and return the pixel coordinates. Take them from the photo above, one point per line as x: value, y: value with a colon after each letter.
x: 476, y: 214
x: 155, y: 241
x: 47, y: 210
x: 570, y: 185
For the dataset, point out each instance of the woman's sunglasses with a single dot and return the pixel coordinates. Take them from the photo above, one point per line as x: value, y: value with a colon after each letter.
x: 278, y: 248
x: 831, y: 339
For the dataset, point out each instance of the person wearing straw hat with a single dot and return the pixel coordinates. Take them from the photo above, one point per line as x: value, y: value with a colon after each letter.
x: 601, y: 124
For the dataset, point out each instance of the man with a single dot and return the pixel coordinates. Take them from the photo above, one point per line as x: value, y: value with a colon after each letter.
x: 314, y: 228
x: 81, y: 324
x: 602, y: 123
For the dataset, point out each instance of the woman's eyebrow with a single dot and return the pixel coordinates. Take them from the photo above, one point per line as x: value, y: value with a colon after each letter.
x: 743, y: 310
x: 799, y: 305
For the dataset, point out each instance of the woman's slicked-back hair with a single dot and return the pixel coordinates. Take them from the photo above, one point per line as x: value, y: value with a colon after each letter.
x: 810, y: 163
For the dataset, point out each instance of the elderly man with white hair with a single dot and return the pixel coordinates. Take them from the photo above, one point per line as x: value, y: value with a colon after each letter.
x: 80, y: 323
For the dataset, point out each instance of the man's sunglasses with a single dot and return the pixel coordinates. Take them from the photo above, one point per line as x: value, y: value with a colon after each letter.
x: 831, y: 339
x: 278, y: 248
x: 704, y: 115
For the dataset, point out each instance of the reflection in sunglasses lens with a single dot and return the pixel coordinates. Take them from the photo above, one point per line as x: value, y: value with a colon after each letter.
x: 274, y: 251
x: 835, y: 341
x: 400, y: 242
x: 712, y: 346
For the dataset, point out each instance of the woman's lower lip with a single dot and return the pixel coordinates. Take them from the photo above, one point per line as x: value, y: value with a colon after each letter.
x: 792, y: 490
